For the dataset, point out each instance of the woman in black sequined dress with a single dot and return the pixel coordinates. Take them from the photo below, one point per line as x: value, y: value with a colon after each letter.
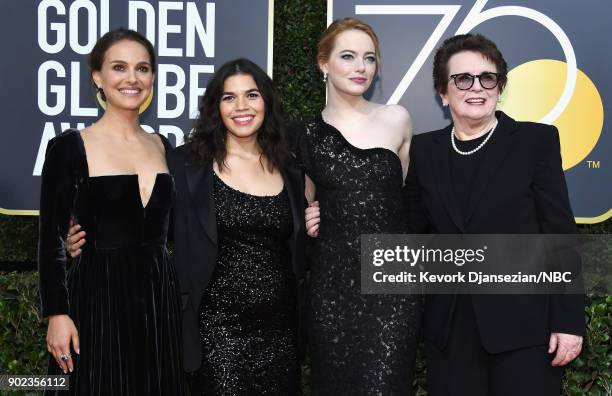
x: 355, y: 156
x: 239, y: 232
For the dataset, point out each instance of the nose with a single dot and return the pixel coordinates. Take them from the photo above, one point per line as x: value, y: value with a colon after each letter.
x: 360, y: 65
x: 241, y: 102
x: 477, y: 86
x: 131, y: 75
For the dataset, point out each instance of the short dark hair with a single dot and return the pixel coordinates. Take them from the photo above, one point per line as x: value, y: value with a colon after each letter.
x: 467, y: 42
x: 208, y: 140
x: 96, y: 57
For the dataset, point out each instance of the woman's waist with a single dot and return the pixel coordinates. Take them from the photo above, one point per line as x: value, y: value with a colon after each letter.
x: 101, y: 244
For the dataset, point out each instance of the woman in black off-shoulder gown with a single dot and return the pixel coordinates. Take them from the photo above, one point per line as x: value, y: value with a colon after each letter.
x: 359, y: 343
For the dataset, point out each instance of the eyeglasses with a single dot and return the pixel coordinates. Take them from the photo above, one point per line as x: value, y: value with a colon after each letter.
x: 465, y: 81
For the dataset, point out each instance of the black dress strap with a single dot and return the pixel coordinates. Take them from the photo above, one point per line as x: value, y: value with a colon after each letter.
x: 167, y: 145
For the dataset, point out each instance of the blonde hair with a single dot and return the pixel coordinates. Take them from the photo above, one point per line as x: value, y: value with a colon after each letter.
x: 328, y: 38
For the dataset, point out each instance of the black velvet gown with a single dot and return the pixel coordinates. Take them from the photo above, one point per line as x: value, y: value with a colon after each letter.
x: 359, y: 344
x: 121, y: 292
x: 248, y: 313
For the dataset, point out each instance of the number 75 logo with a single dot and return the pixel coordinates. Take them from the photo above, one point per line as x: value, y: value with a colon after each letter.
x: 551, y: 106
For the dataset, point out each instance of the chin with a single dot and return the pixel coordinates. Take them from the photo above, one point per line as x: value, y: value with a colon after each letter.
x: 356, y: 91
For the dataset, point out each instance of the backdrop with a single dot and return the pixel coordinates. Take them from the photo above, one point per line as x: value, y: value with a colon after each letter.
x: 45, y: 82
x: 559, y: 58
x: 556, y: 50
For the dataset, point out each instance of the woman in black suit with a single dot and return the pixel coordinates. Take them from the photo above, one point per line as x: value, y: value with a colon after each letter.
x: 489, y: 174
x: 239, y: 234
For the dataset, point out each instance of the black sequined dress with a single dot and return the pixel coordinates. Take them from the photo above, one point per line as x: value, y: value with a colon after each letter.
x: 248, y: 315
x: 359, y: 344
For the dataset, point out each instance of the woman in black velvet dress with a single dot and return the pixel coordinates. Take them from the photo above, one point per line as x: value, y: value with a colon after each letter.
x: 355, y: 156
x: 114, y: 319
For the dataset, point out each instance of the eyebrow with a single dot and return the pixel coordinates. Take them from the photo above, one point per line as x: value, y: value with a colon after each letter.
x: 248, y: 91
x: 124, y: 62
x: 353, y: 52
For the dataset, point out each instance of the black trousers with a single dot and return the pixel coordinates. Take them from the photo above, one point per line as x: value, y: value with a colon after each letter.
x: 465, y: 368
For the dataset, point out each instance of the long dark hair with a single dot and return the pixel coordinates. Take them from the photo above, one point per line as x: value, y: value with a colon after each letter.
x: 208, y: 140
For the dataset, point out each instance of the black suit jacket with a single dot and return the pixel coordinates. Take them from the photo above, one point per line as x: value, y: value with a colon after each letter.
x: 519, y: 189
x: 195, y: 239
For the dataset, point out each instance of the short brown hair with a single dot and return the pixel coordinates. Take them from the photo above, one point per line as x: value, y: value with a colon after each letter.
x: 467, y: 42
x: 328, y: 38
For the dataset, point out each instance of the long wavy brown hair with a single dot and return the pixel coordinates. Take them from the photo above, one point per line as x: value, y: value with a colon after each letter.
x: 208, y: 140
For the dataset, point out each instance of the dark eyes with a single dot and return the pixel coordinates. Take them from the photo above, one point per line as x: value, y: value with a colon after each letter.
x: 369, y: 59
x: 250, y: 95
x: 142, y: 69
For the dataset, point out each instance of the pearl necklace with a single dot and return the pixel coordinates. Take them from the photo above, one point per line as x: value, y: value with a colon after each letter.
x: 477, y: 148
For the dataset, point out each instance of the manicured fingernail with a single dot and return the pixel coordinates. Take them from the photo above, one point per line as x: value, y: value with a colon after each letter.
x: 78, y: 351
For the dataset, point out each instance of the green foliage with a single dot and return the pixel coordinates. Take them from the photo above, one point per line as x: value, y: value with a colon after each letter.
x: 22, y: 334
x: 18, y: 237
x: 297, y: 26
x: 590, y: 374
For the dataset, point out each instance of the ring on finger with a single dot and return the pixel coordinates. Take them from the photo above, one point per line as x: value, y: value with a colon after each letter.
x: 65, y: 357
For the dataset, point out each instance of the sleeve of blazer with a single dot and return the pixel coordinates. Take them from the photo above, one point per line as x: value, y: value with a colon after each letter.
x: 555, y: 217
x: 298, y: 142
x: 417, y: 222
x: 57, y: 194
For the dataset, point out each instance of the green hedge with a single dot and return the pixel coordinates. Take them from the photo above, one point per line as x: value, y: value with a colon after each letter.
x: 298, y: 24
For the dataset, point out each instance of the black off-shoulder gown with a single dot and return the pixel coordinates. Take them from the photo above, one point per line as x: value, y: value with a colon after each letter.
x: 359, y: 344
x: 121, y: 292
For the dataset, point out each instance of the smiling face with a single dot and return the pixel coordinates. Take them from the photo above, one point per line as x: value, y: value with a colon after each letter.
x: 126, y: 75
x: 351, y: 65
x: 242, y: 107
x: 474, y: 105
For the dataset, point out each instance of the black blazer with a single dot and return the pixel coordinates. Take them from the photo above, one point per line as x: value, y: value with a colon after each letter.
x: 195, y: 239
x: 519, y: 189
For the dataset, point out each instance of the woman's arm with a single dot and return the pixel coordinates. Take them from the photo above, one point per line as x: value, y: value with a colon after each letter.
x: 58, y: 192
x: 555, y: 217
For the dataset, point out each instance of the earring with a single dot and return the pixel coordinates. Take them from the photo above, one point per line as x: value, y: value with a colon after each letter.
x: 101, y: 93
x: 325, y: 77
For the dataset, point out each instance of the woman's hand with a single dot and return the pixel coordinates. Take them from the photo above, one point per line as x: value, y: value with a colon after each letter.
x: 60, y: 333
x: 75, y: 240
x: 313, y: 218
x: 568, y: 347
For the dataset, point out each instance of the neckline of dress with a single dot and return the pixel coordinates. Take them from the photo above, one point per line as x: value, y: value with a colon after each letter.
x: 246, y: 193
x: 143, y: 204
x: 351, y: 145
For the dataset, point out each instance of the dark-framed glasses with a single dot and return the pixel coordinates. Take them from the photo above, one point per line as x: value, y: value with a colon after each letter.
x: 465, y: 81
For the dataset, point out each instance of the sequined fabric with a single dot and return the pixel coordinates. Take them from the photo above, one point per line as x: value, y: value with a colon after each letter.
x: 248, y: 313
x: 359, y: 344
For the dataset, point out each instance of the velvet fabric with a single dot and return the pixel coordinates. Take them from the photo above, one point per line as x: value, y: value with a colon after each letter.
x: 121, y: 292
